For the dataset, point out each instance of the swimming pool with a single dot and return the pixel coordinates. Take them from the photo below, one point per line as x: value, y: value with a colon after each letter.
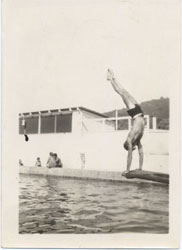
x: 57, y: 205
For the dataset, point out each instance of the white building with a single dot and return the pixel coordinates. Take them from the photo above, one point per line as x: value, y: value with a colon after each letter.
x: 85, y: 139
x: 68, y: 120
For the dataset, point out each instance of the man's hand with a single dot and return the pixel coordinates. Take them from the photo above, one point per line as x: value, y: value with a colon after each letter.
x: 125, y: 172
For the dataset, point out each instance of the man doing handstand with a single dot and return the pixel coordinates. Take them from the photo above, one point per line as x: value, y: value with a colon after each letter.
x: 137, y: 130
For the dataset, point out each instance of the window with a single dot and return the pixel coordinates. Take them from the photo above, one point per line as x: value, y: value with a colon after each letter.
x: 64, y: 123
x: 47, y: 124
x: 31, y: 125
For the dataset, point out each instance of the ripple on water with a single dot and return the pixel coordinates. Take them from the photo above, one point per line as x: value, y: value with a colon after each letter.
x: 53, y: 205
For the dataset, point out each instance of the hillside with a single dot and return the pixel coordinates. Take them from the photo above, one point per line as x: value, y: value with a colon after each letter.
x: 158, y: 108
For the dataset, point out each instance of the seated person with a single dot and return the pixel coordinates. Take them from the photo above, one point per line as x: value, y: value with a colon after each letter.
x: 51, y: 163
x: 38, y: 163
x: 58, y: 161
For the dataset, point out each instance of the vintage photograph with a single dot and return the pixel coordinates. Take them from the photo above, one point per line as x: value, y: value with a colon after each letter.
x: 90, y: 85
x: 109, y: 173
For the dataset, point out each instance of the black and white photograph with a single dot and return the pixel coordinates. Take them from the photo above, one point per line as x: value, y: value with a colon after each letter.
x: 90, y: 123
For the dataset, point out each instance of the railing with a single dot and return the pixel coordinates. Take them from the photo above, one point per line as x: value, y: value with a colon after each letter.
x: 115, y: 123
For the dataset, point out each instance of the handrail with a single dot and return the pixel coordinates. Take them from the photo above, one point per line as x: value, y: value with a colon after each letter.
x: 115, y: 121
x: 113, y: 118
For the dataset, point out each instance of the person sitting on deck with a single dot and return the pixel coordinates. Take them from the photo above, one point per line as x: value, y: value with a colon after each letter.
x: 51, y: 163
x: 137, y: 130
x: 58, y: 161
x: 38, y: 162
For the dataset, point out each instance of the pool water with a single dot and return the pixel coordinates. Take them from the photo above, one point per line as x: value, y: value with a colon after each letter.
x: 56, y: 205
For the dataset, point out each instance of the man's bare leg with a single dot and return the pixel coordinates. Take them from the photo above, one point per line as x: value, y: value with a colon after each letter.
x: 127, y: 98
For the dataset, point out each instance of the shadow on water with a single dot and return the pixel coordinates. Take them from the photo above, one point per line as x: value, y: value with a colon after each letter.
x: 54, y: 205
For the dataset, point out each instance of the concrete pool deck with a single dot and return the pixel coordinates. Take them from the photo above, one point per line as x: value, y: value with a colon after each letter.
x: 82, y: 174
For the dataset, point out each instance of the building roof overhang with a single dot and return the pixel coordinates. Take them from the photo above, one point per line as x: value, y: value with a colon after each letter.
x: 61, y: 111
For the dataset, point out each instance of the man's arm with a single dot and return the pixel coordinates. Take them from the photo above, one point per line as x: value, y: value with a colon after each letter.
x: 140, y: 152
x: 129, y: 159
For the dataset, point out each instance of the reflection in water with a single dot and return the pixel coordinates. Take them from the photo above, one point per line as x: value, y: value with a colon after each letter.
x: 55, y: 205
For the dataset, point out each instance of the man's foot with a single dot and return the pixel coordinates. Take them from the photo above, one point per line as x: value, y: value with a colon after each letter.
x: 110, y: 75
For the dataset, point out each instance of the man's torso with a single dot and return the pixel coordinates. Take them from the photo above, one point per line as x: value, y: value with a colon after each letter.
x: 137, y: 130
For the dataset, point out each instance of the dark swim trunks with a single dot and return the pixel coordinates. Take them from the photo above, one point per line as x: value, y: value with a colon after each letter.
x: 135, y: 111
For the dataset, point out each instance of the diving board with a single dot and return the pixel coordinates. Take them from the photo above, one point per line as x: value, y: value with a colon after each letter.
x: 147, y: 175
